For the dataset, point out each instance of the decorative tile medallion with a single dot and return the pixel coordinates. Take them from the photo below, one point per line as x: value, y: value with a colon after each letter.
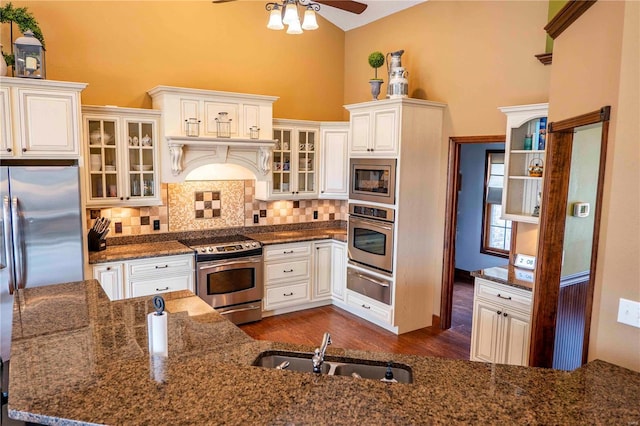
x: 207, y: 204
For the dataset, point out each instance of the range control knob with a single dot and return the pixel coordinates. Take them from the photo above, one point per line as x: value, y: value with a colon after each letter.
x: 209, y: 249
x: 203, y: 250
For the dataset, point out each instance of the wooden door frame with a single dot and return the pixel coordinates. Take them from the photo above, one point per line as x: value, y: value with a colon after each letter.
x: 451, y: 220
x: 551, y: 235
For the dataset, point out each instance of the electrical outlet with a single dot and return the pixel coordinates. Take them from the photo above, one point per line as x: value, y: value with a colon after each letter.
x: 629, y: 312
x: 156, y: 225
x: 118, y: 226
x: 315, y: 214
x: 256, y: 219
x: 263, y: 213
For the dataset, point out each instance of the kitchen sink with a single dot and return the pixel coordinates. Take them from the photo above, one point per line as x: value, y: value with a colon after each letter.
x: 360, y: 369
x: 297, y: 361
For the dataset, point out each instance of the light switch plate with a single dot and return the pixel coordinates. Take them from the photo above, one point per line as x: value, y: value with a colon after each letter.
x: 629, y: 312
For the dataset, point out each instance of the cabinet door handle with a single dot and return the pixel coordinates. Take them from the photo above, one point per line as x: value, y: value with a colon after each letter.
x: 365, y: 306
x: 502, y: 297
x: 287, y: 294
x: 162, y: 289
x: 24, y: 149
x: 162, y: 267
x: 286, y: 271
x: 8, y: 149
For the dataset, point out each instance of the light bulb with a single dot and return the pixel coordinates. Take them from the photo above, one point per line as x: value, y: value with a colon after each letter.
x: 310, y: 22
x: 290, y: 13
x: 294, y: 28
x: 275, y: 19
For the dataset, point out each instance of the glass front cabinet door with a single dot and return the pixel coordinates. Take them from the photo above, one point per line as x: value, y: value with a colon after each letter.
x: 295, y: 163
x: 122, y: 155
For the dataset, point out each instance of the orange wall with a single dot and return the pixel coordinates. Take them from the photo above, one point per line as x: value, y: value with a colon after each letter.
x: 596, y: 63
x: 122, y: 49
x: 473, y: 55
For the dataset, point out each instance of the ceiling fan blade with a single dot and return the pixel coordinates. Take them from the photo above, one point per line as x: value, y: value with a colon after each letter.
x: 348, y: 5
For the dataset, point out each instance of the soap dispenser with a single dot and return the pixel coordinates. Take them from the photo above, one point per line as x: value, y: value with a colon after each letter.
x: 388, y: 375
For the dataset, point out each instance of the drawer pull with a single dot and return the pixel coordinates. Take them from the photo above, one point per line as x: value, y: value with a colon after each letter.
x: 287, y: 252
x: 166, y: 266
x: 502, y: 297
x: 287, y: 271
x: 287, y: 294
x: 162, y: 289
x: 365, y: 306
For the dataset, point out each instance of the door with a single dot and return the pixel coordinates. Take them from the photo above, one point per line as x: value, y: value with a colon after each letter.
x: 485, y: 332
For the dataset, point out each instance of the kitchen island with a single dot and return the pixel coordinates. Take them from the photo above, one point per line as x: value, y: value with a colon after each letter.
x: 78, y: 358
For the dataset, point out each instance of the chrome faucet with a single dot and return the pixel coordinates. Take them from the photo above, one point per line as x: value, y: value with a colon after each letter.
x: 318, y: 358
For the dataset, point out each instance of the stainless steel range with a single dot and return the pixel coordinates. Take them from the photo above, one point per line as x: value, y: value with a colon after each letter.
x: 229, y: 276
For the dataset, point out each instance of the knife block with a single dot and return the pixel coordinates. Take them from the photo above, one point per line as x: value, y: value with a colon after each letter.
x: 96, y: 243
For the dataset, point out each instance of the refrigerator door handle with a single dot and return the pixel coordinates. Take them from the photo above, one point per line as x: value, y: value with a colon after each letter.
x: 17, y: 243
x: 8, y: 247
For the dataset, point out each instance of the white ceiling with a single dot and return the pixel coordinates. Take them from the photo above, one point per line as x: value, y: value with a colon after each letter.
x: 376, y: 9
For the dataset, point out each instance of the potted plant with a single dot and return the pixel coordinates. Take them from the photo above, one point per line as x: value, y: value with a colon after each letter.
x: 376, y: 60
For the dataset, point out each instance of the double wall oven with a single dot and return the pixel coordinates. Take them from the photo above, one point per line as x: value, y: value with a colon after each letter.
x: 229, y: 276
x: 370, y: 249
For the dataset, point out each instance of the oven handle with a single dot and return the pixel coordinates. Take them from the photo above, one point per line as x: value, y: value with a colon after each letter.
x: 218, y: 263
x: 374, y: 223
x: 373, y: 280
x: 233, y: 311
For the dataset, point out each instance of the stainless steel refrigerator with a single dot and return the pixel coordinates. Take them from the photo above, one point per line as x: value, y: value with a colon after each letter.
x: 41, y: 232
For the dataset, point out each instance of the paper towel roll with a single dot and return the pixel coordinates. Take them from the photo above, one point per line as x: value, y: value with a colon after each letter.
x: 157, y: 328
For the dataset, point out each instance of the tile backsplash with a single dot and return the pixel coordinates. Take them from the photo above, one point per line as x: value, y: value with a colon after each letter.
x: 237, y: 207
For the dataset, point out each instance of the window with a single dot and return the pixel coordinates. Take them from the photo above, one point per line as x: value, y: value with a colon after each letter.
x: 496, y: 232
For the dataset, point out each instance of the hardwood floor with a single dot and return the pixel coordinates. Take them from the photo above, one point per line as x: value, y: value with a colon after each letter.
x: 351, y: 332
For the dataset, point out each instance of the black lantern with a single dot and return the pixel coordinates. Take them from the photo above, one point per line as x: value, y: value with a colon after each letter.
x: 29, y: 57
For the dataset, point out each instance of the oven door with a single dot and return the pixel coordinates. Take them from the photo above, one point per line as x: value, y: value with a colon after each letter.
x: 230, y: 282
x: 371, y: 243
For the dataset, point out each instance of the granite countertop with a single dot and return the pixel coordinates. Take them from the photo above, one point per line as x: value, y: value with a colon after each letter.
x: 281, y: 237
x: 138, y: 251
x: 141, y: 249
x: 78, y: 358
x: 509, y: 275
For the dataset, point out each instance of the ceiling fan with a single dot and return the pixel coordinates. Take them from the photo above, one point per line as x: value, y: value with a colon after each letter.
x: 346, y: 5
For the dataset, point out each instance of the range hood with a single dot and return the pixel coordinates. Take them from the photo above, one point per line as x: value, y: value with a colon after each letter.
x: 181, y: 154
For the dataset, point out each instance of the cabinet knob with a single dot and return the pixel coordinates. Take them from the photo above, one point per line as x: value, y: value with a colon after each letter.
x: 121, y: 198
x: 8, y: 149
x: 127, y: 198
x: 504, y: 314
x: 108, y: 268
x: 24, y: 149
x: 499, y: 312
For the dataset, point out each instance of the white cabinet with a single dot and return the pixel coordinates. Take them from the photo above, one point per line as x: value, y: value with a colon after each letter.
x: 294, y: 167
x: 303, y: 275
x: 338, y: 269
x: 501, y: 326
x: 323, y: 271
x: 111, y: 279
x: 334, y: 161
x: 121, y: 155
x: 375, y: 129
x: 522, y: 189
x: 40, y: 118
x: 287, y: 275
x: 183, y: 152
x: 144, y: 277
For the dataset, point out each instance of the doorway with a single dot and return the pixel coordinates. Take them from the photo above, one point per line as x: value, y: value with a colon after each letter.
x: 460, y: 150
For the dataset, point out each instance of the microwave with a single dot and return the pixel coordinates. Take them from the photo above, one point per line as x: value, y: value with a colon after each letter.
x: 373, y: 180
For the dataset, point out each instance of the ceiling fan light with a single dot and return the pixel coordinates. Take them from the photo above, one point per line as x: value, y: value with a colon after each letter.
x: 310, y: 22
x: 294, y: 28
x: 290, y: 13
x: 275, y: 19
